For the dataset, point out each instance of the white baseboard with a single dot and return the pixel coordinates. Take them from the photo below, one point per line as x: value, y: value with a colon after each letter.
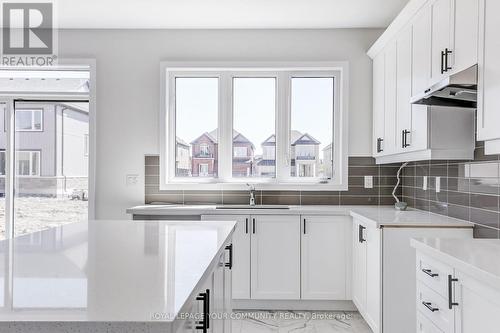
x: 240, y: 304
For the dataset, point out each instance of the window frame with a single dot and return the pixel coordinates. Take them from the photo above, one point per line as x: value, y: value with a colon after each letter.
x: 225, y: 72
x: 38, y: 166
x: 32, y: 111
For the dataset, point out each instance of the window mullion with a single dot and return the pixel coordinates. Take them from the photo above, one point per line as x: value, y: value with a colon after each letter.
x: 225, y: 123
x: 283, y: 127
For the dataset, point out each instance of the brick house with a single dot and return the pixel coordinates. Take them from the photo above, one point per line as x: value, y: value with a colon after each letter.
x: 204, y: 160
x: 304, y: 150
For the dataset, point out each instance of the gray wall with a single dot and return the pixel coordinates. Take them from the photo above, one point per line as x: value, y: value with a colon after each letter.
x: 128, y: 93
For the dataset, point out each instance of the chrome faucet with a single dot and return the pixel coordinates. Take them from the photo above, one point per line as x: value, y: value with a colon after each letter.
x: 252, y: 194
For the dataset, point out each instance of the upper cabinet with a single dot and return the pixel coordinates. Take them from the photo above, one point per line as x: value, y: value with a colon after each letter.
x: 465, y: 37
x: 378, y: 104
x: 427, y: 42
x: 488, y: 113
x: 421, y: 51
x: 440, y: 39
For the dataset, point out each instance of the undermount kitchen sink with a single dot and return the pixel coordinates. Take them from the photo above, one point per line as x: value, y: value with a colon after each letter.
x: 252, y: 207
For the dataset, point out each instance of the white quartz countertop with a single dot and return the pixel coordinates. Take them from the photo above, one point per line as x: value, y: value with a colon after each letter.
x: 378, y: 216
x: 108, y: 271
x: 479, y: 258
x: 389, y: 217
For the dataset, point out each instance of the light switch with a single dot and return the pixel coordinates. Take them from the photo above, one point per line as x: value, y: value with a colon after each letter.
x: 368, y: 181
x: 424, y: 187
x: 438, y: 184
x: 132, y: 180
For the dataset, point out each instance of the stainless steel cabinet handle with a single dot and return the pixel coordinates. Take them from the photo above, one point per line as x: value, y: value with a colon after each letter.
x: 429, y: 272
x: 428, y: 305
x: 450, y: 292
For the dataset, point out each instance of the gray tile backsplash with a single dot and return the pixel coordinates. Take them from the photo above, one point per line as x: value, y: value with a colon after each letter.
x: 384, y: 180
x: 469, y: 190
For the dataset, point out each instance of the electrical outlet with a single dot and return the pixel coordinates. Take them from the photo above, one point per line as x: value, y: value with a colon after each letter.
x: 424, y: 186
x: 438, y: 184
x: 368, y: 181
x: 132, y: 179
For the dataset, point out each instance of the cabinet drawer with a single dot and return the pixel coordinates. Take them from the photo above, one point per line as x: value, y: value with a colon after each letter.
x: 434, y: 307
x: 433, y: 274
x: 424, y: 325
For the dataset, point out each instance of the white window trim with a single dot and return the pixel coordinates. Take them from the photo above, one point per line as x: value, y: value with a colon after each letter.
x: 283, y: 70
x: 31, y: 152
x: 32, y: 129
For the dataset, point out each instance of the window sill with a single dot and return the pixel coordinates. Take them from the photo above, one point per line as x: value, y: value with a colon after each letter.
x: 258, y: 185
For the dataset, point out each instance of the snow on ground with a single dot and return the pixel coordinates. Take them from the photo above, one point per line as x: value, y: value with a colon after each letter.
x: 39, y: 213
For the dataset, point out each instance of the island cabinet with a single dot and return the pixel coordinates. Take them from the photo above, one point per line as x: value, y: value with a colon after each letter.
x: 383, y: 271
x: 290, y: 257
x: 211, y: 306
x: 454, y: 295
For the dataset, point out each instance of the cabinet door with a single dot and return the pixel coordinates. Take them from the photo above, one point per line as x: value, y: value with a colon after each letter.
x: 390, y: 99
x: 478, y: 306
x: 378, y: 104
x: 418, y: 138
x: 241, y: 253
x: 275, y: 257
x: 228, y: 291
x: 359, y: 267
x: 441, y: 23
x: 466, y: 30
x: 404, y: 91
x: 373, y: 279
x: 422, y: 51
x: 325, y: 257
x: 488, y: 113
x: 217, y: 296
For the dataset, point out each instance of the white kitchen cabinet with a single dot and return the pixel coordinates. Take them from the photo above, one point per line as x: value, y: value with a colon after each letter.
x: 466, y: 34
x: 217, y: 295
x: 383, y: 280
x: 275, y: 257
x: 325, y: 252
x: 378, y: 104
x: 421, y: 52
x: 488, y: 113
x: 366, y: 273
x: 373, y: 309
x: 451, y: 296
x: 241, y: 253
x: 390, y: 99
x: 441, y: 39
x: 434, y: 39
x: 404, y: 89
x: 359, y: 276
x: 228, y: 288
x: 478, y: 308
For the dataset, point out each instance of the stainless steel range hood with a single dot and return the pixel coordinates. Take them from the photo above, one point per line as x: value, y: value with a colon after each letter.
x: 457, y: 90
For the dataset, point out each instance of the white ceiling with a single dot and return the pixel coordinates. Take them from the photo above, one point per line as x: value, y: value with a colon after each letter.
x: 213, y: 14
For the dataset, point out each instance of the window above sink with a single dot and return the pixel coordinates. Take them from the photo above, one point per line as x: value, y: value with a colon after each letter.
x: 278, y: 127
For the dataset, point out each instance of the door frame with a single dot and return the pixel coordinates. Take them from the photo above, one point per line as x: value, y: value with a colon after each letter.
x: 10, y: 99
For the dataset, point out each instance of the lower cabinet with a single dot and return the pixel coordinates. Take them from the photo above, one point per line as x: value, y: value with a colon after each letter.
x: 366, y: 268
x: 478, y: 306
x: 451, y: 301
x: 290, y: 257
x: 275, y: 257
x: 241, y: 253
x: 383, y: 269
x: 325, y: 254
x: 210, y: 309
